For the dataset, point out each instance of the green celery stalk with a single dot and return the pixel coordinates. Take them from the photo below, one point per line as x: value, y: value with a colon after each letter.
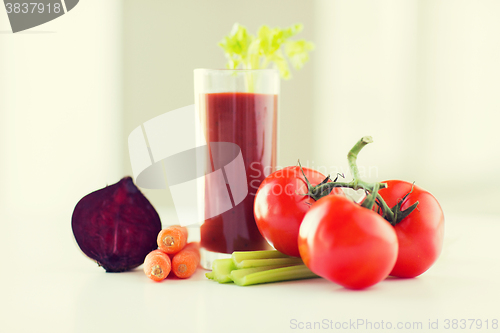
x: 254, y: 276
x: 239, y: 256
x: 249, y: 263
x: 221, y: 270
x: 254, y: 267
x: 239, y: 274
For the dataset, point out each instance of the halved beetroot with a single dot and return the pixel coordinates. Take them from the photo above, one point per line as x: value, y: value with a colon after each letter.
x: 116, y: 226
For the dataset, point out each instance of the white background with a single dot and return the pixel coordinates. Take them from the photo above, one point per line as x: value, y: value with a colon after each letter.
x: 421, y: 77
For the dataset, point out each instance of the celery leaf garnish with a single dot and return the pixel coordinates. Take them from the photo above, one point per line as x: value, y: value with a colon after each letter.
x: 271, y: 46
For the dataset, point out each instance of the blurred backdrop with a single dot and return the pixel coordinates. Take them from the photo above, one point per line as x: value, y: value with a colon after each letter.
x: 420, y: 76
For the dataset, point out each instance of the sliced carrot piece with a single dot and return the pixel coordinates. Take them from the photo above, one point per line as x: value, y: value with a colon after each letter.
x: 172, y: 239
x: 157, y: 265
x: 185, y: 263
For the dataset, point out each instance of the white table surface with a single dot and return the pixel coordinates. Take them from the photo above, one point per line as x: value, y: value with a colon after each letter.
x: 47, y: 285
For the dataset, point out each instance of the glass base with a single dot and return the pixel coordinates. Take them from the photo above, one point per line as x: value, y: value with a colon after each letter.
x: 208, y: 257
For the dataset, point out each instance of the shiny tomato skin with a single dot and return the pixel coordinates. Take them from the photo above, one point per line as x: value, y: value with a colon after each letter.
x: 279, y: 206
x: 346, y: 243
x: 420, y: 234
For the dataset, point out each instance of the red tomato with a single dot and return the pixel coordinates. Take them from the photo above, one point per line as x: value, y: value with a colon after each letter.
x: 346, y: 243
x: 279, y: 206
x: 420, y: 234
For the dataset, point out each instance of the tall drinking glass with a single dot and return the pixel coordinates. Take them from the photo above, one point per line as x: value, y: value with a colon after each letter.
x: 238, y: 114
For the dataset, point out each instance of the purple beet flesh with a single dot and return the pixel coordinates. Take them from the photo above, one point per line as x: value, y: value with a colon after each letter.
x: 116, y: 226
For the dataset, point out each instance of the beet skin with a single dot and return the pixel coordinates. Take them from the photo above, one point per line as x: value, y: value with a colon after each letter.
x: 116, y: 226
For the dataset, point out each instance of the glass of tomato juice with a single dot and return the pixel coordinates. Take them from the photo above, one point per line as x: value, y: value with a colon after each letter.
x: 238, y: 112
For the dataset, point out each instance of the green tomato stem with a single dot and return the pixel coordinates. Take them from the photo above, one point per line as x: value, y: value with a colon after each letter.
x: 359, y: 185
x: 356, y: 184
x: 352, y: 156
x: 387, y: 212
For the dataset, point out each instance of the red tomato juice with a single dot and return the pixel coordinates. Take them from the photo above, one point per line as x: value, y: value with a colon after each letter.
x: 248, y: 120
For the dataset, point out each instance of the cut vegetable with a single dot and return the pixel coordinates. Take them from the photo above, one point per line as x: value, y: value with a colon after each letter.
x: 249, y: 255
x: 221, y: 268
x: 186, y: 261
x: 254, y: 276
x: 239, y: 274
x: 172, y: 239
x: 157, y: 265
x: 268, y: 262
x: 116, y: 226
x: 254, y: 267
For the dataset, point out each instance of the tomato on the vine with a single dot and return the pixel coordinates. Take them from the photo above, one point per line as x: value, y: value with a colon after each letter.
x: 280, y: 205
x: 420, y: 234
x: 347, y: 243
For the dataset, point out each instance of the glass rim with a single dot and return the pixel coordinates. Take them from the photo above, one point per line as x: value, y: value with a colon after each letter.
x: 222, y: 70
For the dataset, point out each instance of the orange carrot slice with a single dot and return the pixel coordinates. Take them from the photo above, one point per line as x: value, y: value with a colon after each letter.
x: 172, y: 239
x: 185, y: 263
x: 157, y: 265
